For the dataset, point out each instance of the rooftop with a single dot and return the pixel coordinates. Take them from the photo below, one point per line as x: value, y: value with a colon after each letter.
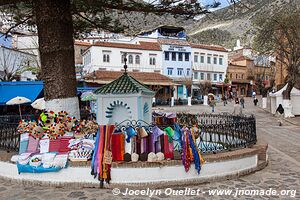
x: 147, y: 78
x: 154, y: 46
x: 208, y: 47
x: 125, y: 84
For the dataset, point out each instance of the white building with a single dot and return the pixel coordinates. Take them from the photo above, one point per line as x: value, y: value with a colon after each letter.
x: 141, y: 56
x: 16, y: 63
x: 164, y: 50
x: 209, y: 63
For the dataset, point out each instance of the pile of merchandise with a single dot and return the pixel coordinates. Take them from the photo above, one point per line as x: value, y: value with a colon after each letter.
x: 45, y: 144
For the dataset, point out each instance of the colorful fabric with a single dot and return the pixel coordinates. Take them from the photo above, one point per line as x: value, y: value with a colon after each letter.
x: 103, y: 149
x: 170, y: 132
x: 168, y: 147
x: 118, y: 146
x: 130, y: 132
x: 186, y: 156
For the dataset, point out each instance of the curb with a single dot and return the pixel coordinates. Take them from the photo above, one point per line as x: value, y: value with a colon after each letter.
x: 262, y: 162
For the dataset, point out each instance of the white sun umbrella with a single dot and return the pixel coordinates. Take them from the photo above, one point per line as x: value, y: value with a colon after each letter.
x: 18, y: 101
x: 39, y: 104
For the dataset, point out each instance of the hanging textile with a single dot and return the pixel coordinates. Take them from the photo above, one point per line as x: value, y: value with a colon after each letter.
x: 170, y: 133
x: 102, y: 158
x: 118, y: 146
x: 186, y: 155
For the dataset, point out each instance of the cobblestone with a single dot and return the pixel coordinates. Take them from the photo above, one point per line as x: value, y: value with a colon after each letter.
x: 282, y: 173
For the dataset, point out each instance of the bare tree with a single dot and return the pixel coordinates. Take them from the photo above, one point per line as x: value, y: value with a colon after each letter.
x: 279, y: 34
x: 205, y: 87
x: 13, y: 64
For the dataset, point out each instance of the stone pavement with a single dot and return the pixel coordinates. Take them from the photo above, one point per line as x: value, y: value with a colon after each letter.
x: 282, y: 173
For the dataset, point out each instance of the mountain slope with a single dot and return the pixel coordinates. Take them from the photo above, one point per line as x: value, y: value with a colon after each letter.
x: 235, y: 20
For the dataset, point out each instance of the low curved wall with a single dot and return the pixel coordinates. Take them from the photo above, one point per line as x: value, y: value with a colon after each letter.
x: 219, y: 166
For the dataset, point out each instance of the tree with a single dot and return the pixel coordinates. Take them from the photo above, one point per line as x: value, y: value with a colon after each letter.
x: 279, y: 34
x: 205, y: 87
x: 14, y: 63
x: 58, y: 20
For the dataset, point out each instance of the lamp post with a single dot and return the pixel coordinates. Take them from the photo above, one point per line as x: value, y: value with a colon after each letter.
x: 125, y: 61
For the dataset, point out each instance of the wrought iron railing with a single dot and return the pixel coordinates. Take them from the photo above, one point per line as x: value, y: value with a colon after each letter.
x: 217, y: 132
x: 9, y: 138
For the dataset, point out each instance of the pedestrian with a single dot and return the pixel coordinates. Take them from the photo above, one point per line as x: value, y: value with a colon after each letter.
x: 255, y: 101
x: 254, y: 94
x: 237, y: 108
x: 212, y: 104
x: 280, y: 112
x: 242, y: 100
x: 224, y: 100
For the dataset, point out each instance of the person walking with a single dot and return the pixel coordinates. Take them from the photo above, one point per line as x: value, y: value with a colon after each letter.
x: 224, y: 100
x: 212, y: 104
x: 237, y: 108
x: 280, y: 112
x: 255, y: 101
x: 242, y: 100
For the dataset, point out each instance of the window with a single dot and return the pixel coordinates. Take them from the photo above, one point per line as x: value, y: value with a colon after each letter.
x: 195, y: 75
x: 230, y: 76
x: 167, y: 55
x: 130, y: 59
x: 152, y: 61
x: 242, y: 76
x: 215, y: 60
x: 170, y: 71
x: 137, y: 59
x: 202, y: 59
x: 186, y: 56
x: 195, y: 58
x: 173, y: 56
x: 188, y: 72
x: 106, y: 58
x: 179, y: 71
x: 122, y: 58
x: 236, y: 76
x: 215, y: 77
x: 208, y: 76
x: 267, y: 77
x: 220, y: 61
x: 202, y: 76
x: 208, y: 60
x: 220, y: 77
x: 180, y: 56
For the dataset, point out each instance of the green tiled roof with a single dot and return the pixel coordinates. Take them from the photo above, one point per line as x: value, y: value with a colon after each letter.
x: 125, y: 84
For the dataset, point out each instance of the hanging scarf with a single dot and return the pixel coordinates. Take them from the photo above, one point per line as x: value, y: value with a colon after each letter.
x: 170, y: 132
x: 156, y: 132
x: 195, y: 154
x: 178, y: 133
x: 94, y: 163
x: 186, y: 156
x: 100, y: 167
x: 130, y: 132
x: 195, y: 144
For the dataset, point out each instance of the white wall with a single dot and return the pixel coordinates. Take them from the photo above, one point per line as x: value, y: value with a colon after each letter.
x: 134, y: 110
x: 170, y: 64
x: 115, y: 64
x: 211, y: 68
x: 13, y: 61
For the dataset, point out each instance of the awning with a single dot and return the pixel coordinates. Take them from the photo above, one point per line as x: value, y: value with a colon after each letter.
x: 29, y: 89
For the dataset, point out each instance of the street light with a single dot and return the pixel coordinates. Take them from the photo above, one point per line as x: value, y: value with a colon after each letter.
x: 125, y: 60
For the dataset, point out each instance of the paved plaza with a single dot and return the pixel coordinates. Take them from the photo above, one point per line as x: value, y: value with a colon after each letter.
x: 282, y: 173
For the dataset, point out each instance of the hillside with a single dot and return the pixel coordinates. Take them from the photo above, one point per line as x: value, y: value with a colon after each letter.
x: 226, y: 25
